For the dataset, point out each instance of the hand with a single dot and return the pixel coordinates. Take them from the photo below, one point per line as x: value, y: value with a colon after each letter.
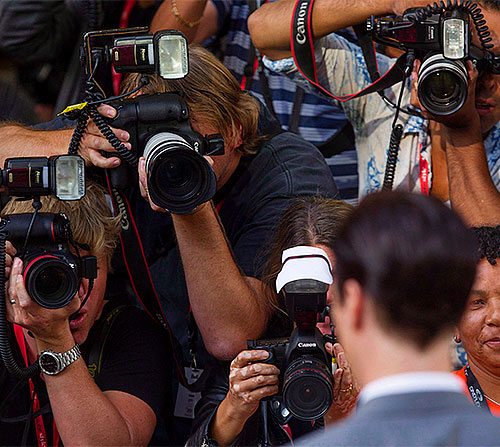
x: 93, y: 142
x: 400, y: 6
x: 10, y: 252
x: 345, y: 388
x: 143, y: 185
x: 47, y: 325
x: 250, y: 381
x: 465, y: 118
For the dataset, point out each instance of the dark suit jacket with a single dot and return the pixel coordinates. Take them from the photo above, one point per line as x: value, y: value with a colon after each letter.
x: 423, y: 419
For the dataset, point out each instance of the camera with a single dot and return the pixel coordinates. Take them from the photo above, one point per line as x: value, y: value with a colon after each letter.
x: 52, y: 274
x: 306, y: 388
x: 62, y: 176
x: 442, y: 40
x: 179, y: 177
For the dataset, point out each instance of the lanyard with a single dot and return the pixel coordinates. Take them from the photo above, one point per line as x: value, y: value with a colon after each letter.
x: 424, y: 173
x: 41, y: 433
x: 475, y: 390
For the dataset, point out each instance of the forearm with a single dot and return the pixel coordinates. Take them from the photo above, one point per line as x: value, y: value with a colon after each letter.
x: 82, y: 412
x: 227, y: 424
x: 328, y: 16
x: 228, y: 307
x: 19, y: 141
x: 472, y: 191
x: 200, y: 13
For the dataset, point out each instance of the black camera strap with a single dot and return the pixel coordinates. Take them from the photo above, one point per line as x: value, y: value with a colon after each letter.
x: 302, y: 46
x: 475, y: 390
x: 138, y: 272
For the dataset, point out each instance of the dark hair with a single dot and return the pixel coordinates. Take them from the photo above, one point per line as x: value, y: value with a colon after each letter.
x: 489, y: 242
x: 307, y: 221
x: 414, y: 257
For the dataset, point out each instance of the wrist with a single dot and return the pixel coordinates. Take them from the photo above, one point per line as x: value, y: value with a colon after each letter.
x: 58, y: 340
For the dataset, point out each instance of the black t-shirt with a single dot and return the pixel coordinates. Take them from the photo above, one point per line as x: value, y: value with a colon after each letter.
x: 136, y: 360
x: 260, y: 190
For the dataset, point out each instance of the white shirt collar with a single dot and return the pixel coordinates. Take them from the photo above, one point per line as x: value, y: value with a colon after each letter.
x: 412, y: 382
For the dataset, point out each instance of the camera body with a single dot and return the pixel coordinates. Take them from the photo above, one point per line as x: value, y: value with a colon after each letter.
x: 179, y: 177
x: 62, y: 176
x: 442, y: 41
x: 305, y: 388
x: 51, y: 272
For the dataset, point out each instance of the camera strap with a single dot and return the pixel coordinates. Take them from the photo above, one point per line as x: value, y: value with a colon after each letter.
x: 302, y: 46
x: 138, y: 272
x: 475, y: 390
x: 41, y: 432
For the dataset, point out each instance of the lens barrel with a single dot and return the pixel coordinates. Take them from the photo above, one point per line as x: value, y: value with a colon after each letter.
x: 442, y: 85
x: 50, y: 280
x: 307, y: 388
x: 179, y: 178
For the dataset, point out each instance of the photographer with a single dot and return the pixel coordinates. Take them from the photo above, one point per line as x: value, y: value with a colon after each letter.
x: 115, y: 391
x: 342, y: 70
x: 228, y: 413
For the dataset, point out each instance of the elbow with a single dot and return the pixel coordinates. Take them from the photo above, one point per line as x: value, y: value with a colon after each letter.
x: 226, y: 348
x: 254, y: 26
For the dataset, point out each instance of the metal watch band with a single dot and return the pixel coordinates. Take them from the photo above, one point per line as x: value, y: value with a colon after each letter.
x: 61, y: 360
x: 68, y: 357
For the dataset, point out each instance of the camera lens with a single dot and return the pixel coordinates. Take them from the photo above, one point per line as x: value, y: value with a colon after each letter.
x: 442, y: 87
x: 307, y: 388
x: 179, y: 178
x: 51, y: 281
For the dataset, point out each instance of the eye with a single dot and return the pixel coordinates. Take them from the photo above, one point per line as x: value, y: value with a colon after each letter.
x: 477, y: 302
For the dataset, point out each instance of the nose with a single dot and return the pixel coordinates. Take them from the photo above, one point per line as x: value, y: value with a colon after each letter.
x: 493, y: 312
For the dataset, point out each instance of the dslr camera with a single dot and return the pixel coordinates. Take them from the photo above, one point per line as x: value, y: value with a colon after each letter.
x: 51, y: 272
x: 440, y: 37
x: 179, y: 177
x: 305, y: 390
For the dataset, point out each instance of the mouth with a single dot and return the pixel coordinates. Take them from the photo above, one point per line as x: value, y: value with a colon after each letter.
x: 76, y: 319
x: 484, y: 107
x: 493, y: 342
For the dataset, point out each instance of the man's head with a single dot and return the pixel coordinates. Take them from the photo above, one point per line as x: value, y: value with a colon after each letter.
x: 92, y: 225
x: 215, y: 100
x: 405, y: 263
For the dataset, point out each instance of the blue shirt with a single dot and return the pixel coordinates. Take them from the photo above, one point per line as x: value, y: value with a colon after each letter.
x: 319, y: 119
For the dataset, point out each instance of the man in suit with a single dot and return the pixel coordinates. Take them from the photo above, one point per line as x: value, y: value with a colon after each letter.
x: 405, y: 264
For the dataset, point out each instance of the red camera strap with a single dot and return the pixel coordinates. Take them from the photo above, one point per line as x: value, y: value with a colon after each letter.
x: 41, y: 433
x: 302, y: 46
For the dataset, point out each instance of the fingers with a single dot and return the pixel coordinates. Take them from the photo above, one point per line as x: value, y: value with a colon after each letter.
x: 247, y: 357
x: 254, y: 383
x: 253, y: 397
x: 107, y: 110
x: 143, y: 185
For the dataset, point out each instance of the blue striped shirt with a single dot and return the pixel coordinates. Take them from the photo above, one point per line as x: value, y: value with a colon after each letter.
x: 319, y: 119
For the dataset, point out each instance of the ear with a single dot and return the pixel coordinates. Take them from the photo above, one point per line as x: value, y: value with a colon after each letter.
x: 354, y: 303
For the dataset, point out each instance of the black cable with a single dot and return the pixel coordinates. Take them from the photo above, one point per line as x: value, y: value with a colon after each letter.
x: 37, y: 205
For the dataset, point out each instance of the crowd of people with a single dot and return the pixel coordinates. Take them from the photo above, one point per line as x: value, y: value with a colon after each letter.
x: 155, y: 347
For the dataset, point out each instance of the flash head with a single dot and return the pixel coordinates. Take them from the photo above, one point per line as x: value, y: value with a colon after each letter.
x: 164, y: 53
x: 62, y: 176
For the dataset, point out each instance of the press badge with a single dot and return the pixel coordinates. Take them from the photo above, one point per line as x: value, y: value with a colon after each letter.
x: 186, y: 399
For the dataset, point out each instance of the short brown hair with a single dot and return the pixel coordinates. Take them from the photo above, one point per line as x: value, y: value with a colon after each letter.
x: 213, y: 96
x: 91, y: 219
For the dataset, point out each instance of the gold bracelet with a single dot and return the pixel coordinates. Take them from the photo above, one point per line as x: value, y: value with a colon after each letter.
x: 180, y: 19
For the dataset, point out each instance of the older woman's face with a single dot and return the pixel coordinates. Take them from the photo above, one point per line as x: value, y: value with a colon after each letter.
x: 479, y: 328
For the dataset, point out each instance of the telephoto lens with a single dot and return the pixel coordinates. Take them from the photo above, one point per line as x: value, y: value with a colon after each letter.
x: 442, y: 85
x: 51, y: 279
x: 307, y: 388
x: 179, y: 178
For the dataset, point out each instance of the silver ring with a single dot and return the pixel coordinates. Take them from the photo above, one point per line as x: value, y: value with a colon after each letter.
x: 12, y: 301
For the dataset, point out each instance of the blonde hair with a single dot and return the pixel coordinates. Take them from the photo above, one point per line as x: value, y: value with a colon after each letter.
x: 91, y: 219
x: 213, y: 97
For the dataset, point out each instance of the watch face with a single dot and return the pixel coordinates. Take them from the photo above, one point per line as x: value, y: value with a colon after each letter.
x: 49, y: 363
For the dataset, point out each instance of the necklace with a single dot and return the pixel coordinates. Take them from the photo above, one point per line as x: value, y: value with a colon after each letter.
x: 491, y: 400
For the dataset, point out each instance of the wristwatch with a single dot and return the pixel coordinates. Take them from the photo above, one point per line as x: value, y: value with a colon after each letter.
x: 53, y: 363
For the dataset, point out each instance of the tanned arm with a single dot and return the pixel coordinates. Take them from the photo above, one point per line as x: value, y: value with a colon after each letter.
x: 328, y: 16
